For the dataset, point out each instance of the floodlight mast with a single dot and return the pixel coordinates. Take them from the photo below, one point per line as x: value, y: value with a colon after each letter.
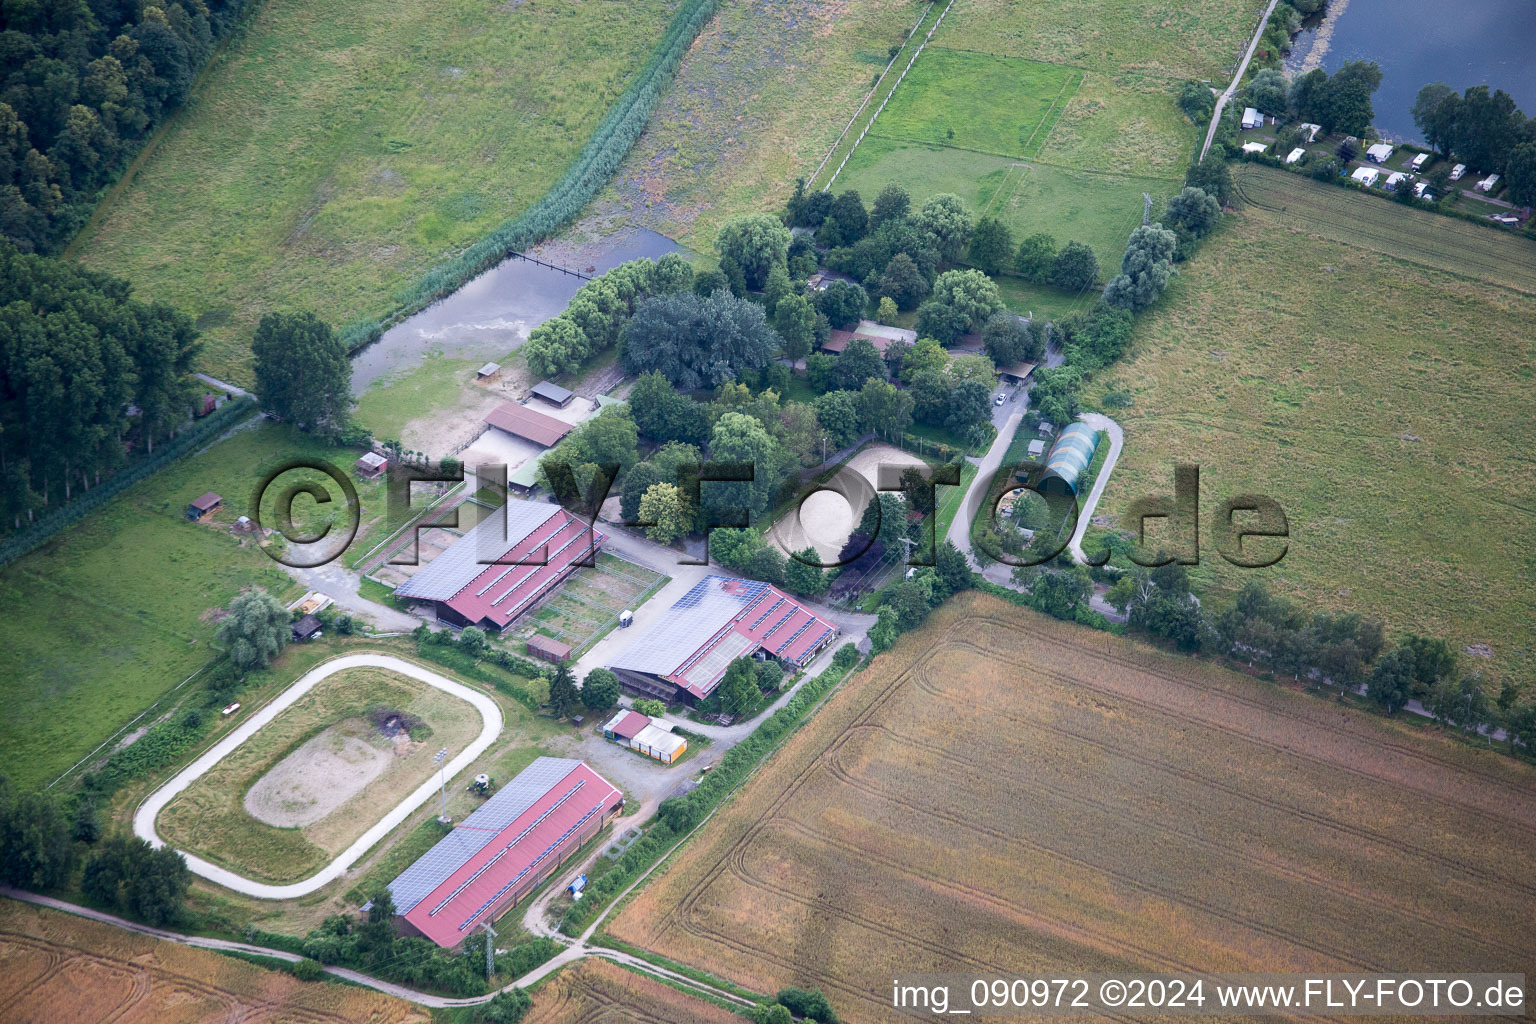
x: 441, y: 760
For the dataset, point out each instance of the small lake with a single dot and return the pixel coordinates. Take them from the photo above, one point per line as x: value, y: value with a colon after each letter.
x: 492, y: 314
x: 1415, y: 42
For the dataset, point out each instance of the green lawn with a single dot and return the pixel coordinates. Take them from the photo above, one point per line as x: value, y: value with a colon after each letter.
x: 1385, y: 406
x: 1100, y: 210
x: 107, y: 617
x: 1000, y: 105
x: 340, y: 149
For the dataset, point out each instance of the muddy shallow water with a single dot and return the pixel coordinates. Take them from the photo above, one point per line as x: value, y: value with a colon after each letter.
x: 492, y: 314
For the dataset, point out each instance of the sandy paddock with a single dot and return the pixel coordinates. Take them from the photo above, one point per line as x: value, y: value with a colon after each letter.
x: 325, y: 772
x: 826, y: 518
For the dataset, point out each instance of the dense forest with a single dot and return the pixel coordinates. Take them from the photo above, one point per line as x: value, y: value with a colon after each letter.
x: 84, y: 81
x: 87, y: 374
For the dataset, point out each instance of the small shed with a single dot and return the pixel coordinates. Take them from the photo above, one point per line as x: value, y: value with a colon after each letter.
x: 1418, y: 162
x: 1366, y: 175
x: 207, y: 404
x: 1295, y: 155
x: 203, y: 505
x: 1379, y: 153
x: 488, y: 371
x: 548, y: 649
x: 1036, y: 448
x: 624, y: 726
x: 306, y: 628
x: 1252, y: 118
x: 371, y: 466
x: 1254, y: 147
x: 554, y: 394
x: 1458, y: 172
x: 524, y: 480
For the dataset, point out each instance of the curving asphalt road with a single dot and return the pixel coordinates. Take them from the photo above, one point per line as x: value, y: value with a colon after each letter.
x: 149, y: 810
x: 1085, y: 516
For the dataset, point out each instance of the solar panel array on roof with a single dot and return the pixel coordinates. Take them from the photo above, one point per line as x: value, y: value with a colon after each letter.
x: 471, y: 835
x: 454, y: 569
x: 690, y: 623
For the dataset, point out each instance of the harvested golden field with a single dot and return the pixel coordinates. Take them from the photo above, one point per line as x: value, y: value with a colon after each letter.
x: 56, y: 967
x: 1006, y: 793
x: 595, y: 990
x: 1386, y: 406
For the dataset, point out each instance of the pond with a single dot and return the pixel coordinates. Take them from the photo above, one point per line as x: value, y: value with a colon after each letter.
x: 1415, y: 42
x: 492, y: 314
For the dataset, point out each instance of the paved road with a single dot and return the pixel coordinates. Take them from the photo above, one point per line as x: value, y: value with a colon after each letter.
x: 1221, y: 101
x: 1085, y: 517
x: 960, y: 529
x: 149, y: 810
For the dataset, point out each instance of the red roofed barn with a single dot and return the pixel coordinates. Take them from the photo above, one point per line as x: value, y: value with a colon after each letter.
x: 500, y: 853
x: 502, y: 567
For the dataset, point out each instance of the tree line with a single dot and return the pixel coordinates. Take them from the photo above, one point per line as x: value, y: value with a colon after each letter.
x: 87, y: 375
x: 1484, y: 130
x: 84, y: 83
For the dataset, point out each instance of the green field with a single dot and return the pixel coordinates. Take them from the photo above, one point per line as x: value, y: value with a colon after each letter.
x: 999, y: 105
x: 340, y: 149
x: 1386, y: 406
x: 1098, y: 209
x: 1362, y: 220
x: 758, y: 101
x: 104, y: 619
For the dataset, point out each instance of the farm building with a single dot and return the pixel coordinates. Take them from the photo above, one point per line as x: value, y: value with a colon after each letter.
x: 1254, y: 147
x: 878, y: 335
x: 306, y: 628
x: 1018, y: 373
x: 1252, y: 118
x: 1366, y: 175
x: 1295, y: 155
x: 525, y: 478
x: 1458, y: 172
x: 501, y: 852
x: 200, y: 507
x: 548, y: 649
x: 722, y: 618
x: 206, y: 405
x: 1311, y: 129
x: 1379, y: 153
x: 521, y: 421
x: 371, y: 466
x: 650, y: 736
x: 1069, y: 456
x: 503, y: 566
x: 554, y: 394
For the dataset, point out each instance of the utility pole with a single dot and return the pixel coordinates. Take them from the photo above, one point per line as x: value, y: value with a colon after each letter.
x: 1146, y: 213
x: 440, y: 759
x: 490, y: 958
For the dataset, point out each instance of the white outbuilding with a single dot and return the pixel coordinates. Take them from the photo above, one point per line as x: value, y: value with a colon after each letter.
x: 1254, y: 147
x: 1366, y: 175
x: 1379, y: 153
x: 1252, y: 118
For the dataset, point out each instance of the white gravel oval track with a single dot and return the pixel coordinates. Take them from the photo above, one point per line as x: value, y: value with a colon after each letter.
x: 149, y: 810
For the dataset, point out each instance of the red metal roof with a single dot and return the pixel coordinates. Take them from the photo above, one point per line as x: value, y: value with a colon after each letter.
x: 503, y: 591
x: 775, y: 622
x: 545, y: 830
x: 630, y: 724
x: 529, y: 423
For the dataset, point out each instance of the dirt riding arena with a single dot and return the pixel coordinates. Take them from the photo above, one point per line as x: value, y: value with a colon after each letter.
x: 594, y: 991
x: 55, y: 967
x: 324, y: 773
x: 826, y: 518
x: 1007, y: 794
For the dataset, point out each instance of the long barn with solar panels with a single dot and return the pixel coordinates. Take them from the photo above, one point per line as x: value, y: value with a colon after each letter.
x: 685, y: 654
x: 502, y: 567
x: 500, y: 853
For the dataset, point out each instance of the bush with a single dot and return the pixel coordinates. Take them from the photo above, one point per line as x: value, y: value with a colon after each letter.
x: 506, y: 1008
x: 846, y: 657
x: 308, y: 970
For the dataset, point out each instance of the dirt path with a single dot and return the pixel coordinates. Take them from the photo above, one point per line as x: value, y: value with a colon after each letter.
x: 1221, y: 101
